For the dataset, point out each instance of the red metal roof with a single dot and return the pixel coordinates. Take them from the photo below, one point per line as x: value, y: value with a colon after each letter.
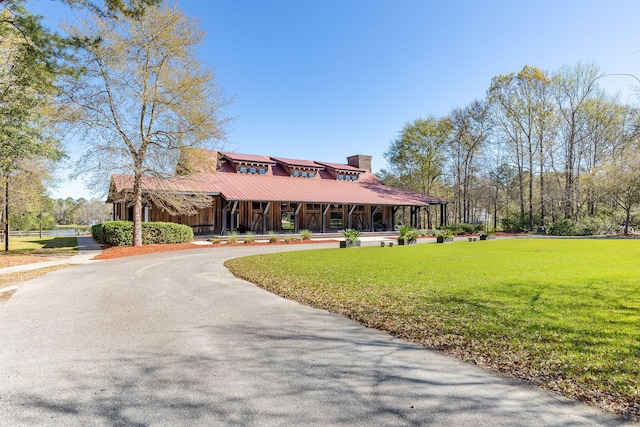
x: 249, y: 158
x: 297, y: 162
x: 341, y: 167
x: 368, y: 190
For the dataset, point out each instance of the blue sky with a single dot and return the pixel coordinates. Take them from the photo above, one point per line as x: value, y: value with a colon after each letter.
x: 324, y: 80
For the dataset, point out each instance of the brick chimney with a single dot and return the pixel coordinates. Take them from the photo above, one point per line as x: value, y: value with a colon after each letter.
x: 360, y: 161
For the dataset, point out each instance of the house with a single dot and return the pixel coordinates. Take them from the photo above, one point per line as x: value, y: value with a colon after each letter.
x: 261, y: 193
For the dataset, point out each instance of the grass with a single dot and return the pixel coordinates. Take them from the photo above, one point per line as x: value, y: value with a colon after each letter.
x: 27, y: 250
x: 43, y: 245
x: 564, y: 314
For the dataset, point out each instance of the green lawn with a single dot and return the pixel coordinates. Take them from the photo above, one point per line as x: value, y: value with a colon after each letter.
x: 564, y: 314
x: 43, y: 245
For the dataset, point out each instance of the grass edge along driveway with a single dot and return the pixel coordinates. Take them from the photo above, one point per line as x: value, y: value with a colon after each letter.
x: 562, y: 314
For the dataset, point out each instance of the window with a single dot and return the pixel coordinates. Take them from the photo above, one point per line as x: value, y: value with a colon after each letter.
x: 262, y: 171
x: 312, y: 174
x: 243, y: 169
x: 287, y: 220
x: 252, y: 170
x: 340, y: 177
x: 304, y: 174
x: 347, y: 178
x: 335, y: 220
x: 296, y: 173
x: 256, y: 206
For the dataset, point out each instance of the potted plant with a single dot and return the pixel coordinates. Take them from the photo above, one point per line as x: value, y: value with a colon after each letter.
x: 488, y: 235
x: 444, y: 236
x: 350, y: 238
x: 408, y: 235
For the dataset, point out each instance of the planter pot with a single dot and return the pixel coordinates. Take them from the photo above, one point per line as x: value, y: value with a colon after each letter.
x: 401, y: 242
x: 349, y: 244
x: 489, y: 237
x: 441, y: 239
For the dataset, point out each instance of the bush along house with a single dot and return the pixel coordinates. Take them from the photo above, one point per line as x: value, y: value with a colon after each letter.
x: 258, y: 194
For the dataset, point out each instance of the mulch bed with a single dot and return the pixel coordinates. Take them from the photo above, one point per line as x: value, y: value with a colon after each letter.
x: 124, y: 251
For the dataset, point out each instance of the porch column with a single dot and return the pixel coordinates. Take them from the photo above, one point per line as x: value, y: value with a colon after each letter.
x: 373, y: 212
x: 264, y: 217
x: 443, y: 214
x: 296, y: 224
x: 324, y: 216
x: 223, y: 220
x: 353, y: 208
x: 233, y: 216
x: 393, y: 217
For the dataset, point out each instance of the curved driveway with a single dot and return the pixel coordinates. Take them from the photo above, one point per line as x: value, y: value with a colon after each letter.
x: 174, y: 339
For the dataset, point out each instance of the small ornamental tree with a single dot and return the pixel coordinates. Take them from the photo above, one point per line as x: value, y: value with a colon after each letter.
x: 143, y: 97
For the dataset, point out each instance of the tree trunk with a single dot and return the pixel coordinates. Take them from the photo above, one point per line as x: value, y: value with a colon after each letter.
x: 6, y: 213
x: 541, y: 154
x: 530, y: 187
x: 627, y: 219
x: 137, y: 210
x: 569, y: 179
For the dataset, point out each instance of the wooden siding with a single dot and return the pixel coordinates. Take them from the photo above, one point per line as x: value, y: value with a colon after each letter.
x: 250, y: 217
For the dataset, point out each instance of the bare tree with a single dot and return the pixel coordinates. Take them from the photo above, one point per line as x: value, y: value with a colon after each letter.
x: 524, y: 112
x: 573, y: 87
x: 471, y: 127
x: 145, y: 96
x: 620, y: 179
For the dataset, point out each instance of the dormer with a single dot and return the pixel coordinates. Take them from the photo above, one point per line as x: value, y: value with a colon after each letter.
x: 249, y: 163
x: 343, y: 172
x: 299, y: 168
x: 197, y: 160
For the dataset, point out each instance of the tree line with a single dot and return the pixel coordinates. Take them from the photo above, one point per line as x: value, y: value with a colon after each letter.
x: 47, y: 213
x: 542, y: 149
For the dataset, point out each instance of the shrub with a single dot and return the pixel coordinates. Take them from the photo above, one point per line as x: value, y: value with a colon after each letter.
x: 215, y: 240
x: 563, y: 227
x: 457, y: 229
x: 305, y: 234
x: 233, y: 238
x: 515, y: 224
x: 590, y: 226
x: 350, y: 234
x: 407, y: 234
x: 117, y: 233
x: 273, y: 237
x: 120, y: 233
x: 97, y: 231
x: 249, y: 238
x: 446, y: 234
x: 287, y: 239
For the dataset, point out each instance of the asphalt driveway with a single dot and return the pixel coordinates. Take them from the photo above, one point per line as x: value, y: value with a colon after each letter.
x: 174, y: 339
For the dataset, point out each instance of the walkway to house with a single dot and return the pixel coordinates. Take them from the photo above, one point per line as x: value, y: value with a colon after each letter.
x: 175, y: 339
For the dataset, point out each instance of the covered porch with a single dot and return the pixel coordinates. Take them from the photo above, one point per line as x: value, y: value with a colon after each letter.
x: 261, y: 217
